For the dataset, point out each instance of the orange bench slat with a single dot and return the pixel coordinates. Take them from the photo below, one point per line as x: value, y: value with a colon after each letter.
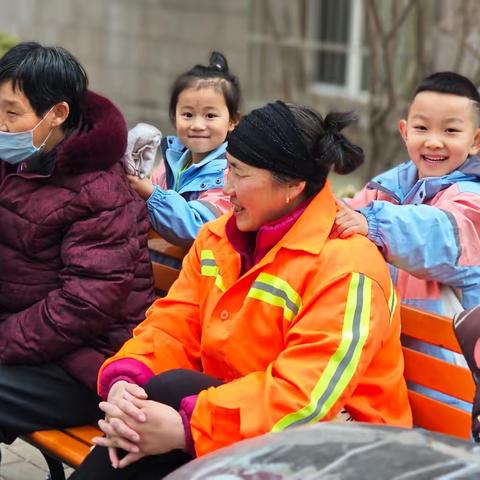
x: 438, y: 375
x: 439, y: 417
x: 58, y: 444
x: 164, y: 276
x: 85, y: 433
x: 430, y: 328
x: 162, y: 246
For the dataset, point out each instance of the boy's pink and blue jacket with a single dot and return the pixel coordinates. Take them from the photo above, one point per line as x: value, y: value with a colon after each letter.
x: 428, y: 230
x: 186, y: 199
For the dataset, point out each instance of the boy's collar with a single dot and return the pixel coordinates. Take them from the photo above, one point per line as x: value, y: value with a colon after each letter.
x: 471, y: 166
x: 402, y: 180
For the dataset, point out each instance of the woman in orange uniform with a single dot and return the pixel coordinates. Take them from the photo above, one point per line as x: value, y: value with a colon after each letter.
x: 271, y: 324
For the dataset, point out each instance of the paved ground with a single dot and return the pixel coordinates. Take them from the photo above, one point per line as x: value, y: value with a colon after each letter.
x: 20, y: 461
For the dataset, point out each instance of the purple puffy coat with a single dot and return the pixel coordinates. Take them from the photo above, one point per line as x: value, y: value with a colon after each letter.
x: 75, y: 276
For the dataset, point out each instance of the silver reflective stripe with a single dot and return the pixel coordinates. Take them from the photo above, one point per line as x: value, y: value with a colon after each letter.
x: 278, y: 293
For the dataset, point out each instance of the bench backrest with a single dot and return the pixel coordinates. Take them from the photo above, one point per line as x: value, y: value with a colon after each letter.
x: 166, y: 261
x: 436, y: 374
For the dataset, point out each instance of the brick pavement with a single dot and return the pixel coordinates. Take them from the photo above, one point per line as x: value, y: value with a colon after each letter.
x: 20, y: 461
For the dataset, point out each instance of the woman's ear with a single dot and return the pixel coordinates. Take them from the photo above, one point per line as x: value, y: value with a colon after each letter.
x: 60, y: 114
x: 296, y: 188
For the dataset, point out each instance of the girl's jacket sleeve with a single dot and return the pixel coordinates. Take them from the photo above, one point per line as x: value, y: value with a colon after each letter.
x: 313, y: 378
x: 179, y: 220
x: 438, y: 242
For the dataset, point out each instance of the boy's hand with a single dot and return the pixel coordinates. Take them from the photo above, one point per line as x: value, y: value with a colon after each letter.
x: 348, y: 222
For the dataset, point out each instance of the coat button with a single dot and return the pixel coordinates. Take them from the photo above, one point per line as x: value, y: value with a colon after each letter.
x: 203, y: 185
x: 224, y: 315
x: 218, y: 181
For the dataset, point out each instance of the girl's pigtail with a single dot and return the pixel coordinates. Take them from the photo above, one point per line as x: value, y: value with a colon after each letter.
x: 218, y: 62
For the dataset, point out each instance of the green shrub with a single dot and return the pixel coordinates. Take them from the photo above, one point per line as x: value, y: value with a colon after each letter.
x: 6, y: 42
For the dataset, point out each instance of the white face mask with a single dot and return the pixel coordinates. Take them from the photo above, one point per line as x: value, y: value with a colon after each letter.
x: 18, y: 147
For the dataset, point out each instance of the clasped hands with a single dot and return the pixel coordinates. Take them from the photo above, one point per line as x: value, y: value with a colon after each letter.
x: 137, y: 425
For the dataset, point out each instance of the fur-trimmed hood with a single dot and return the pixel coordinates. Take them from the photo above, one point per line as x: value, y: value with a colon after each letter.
x: 99, y: 144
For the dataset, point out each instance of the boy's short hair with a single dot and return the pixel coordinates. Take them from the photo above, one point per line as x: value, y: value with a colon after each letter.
x: 46, y: 76
x: 449, y: 82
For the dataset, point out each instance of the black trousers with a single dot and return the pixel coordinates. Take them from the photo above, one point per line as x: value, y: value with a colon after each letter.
x: 168, y: 388
x: 36, y: 397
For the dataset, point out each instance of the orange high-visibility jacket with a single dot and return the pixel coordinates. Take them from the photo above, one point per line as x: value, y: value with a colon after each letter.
x: 313, y: 328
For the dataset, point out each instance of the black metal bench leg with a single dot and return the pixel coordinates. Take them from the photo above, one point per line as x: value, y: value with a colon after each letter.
x: 55, y: 467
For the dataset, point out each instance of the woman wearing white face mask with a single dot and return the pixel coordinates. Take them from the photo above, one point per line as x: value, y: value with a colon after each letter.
x: 75, y: 276
x: 17, y: 147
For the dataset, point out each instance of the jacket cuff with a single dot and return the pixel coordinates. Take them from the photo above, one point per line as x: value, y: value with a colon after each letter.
x: 187, y: 406
x: 158, y: 195
x: 128, y: 369
x: 373, y: 229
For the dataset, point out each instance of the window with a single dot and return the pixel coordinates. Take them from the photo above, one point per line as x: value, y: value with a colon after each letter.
x: 337, y: 55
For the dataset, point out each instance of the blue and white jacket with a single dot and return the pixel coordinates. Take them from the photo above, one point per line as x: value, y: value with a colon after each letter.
x: 183, y: 200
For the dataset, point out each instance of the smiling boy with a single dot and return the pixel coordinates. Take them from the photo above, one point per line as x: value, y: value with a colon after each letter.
x: 424, y: 215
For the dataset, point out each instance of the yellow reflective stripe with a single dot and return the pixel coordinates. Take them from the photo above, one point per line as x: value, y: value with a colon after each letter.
x: 272, y: 300
x: 207, y: 255
x: 209, y: 268
x: 392, y: 301
x: 343, y: 364
x: 219, y: 282
x: 276, y: 291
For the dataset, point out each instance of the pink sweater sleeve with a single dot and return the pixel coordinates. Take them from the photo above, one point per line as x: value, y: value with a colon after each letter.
x: 127, y: 369
x: 187, y: 406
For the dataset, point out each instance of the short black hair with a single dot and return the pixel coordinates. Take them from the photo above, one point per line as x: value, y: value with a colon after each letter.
x: 451, y: 83
x: 216, y: 74
x: 46, y: 76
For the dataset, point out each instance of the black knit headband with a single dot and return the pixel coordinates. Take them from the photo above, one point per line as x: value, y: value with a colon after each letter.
x: 269, y: 138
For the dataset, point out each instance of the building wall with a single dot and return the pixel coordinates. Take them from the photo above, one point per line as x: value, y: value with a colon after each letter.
x: 133, y: 49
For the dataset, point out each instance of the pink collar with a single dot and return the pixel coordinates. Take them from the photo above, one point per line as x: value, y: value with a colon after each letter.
x: 252, y: 246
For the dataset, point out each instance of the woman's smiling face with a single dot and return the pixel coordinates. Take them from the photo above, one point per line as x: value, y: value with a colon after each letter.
x: 256, y: 196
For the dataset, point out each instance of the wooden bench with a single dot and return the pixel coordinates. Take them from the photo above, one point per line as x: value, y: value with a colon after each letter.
x: 436, y: 374
x: 70, y: 446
